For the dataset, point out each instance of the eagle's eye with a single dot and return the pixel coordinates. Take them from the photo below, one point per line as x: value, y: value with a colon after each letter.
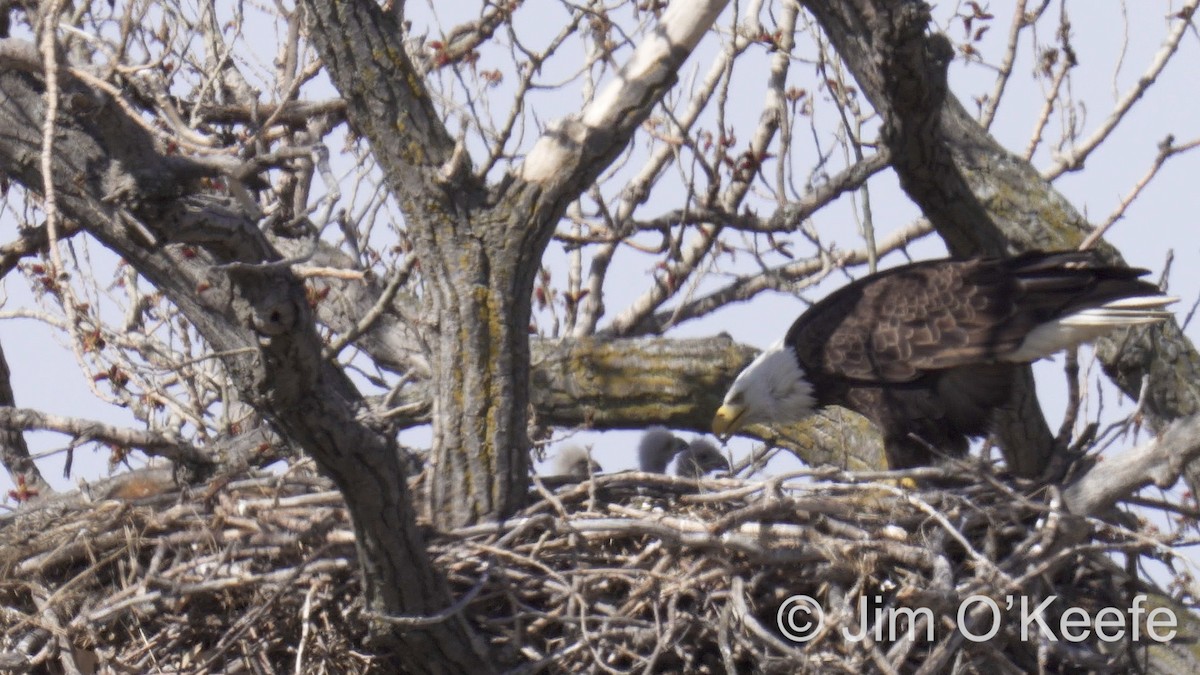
x: 737, y: 399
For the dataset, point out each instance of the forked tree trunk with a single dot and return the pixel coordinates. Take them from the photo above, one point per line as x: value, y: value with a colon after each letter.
x: 475, y: 288
x: 480, y: 247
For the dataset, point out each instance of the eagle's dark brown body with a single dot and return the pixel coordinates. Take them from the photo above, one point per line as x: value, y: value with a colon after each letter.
x: 921, y: 350
x: 929, y: 351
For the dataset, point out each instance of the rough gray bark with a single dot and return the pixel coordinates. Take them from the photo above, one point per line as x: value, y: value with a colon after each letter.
x: 479, y: 250
x: 152, y: 443
x: 607, y: 383
x: 477, y: 305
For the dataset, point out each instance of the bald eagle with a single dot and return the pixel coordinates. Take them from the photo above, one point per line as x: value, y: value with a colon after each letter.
x: 928, y: 351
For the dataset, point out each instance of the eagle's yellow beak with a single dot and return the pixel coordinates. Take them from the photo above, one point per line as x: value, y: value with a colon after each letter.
x: 728, y: 420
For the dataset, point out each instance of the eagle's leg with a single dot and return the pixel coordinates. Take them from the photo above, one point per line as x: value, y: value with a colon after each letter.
x: 1021, y: 431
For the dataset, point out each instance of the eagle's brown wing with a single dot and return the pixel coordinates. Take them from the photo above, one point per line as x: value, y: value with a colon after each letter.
x: 898, y: 325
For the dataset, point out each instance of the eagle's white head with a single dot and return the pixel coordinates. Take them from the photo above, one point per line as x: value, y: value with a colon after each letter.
x: 771, y: 389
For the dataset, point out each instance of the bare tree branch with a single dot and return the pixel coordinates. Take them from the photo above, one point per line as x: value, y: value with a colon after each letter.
x: 1157, y: 462
x: 150, y: 442
x: 1182, y: 21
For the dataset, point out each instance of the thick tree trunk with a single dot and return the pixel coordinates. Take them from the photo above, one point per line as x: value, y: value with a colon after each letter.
x: 479, y: 382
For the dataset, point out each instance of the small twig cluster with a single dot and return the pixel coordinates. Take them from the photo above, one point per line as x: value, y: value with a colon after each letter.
x: 626, y: 572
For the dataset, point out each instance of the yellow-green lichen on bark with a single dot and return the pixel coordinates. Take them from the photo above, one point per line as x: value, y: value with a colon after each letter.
x: 414, y: 152
x: 486, y: 344
x: 415, y: 85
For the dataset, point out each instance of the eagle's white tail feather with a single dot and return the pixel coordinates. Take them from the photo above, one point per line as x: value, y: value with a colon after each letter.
x: 1101, y: 317
x: 1089, y: 324
x: 1141, y: 302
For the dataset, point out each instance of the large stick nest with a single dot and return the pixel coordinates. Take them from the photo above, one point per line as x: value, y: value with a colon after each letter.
x: 624, y: 573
